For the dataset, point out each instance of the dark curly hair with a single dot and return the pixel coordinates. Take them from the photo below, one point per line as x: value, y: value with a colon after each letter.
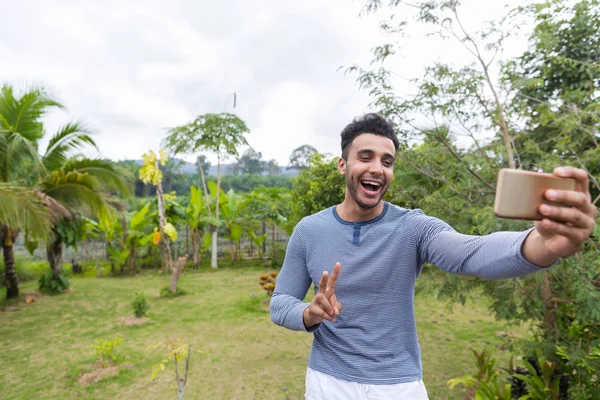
x: 368, y: 123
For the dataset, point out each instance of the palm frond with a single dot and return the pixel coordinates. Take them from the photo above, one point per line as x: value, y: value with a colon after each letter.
x: 22, y: 208
x: 16, y: 152
x: 102, y: 169
x: 75, y: 191
x: 23, y: 115
x: 67, y: 140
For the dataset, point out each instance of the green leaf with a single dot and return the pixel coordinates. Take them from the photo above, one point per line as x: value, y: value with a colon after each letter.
x: 139, y: 219
x: 236, y: 232
x: 207, y: 241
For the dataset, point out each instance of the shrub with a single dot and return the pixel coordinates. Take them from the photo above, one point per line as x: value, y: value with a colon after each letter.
x: 267, y: 281
x: 105, y: 351
x: 140, y: 305
x: 49, y: 285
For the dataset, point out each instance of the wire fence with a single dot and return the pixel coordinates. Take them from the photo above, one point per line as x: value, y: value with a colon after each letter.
x: 96, y: 249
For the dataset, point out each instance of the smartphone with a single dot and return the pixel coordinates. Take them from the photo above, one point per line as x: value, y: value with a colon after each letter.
x: 520, y: 193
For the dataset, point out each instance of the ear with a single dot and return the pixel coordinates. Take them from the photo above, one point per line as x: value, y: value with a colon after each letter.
x: 341, y: 166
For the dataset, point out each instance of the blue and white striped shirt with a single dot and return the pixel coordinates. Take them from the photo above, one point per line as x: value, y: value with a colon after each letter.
x: 374, y: 339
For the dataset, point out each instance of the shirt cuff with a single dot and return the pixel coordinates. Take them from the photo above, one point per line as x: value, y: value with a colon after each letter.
x: 312, y: 329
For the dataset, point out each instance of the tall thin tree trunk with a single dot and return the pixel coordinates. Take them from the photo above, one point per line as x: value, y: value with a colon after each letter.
x: 213, y: 258
x: 196, y: 245
x: 11, y: 280
x: 131, y: 259
x: 162, y: 221
x: 232, y: 250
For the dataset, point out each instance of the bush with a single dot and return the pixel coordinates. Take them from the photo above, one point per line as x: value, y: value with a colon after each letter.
x: 105, y: 352
x: 27, y: 269
x: 267, y: 281
x: 49, y: 285
x: 140, y: 305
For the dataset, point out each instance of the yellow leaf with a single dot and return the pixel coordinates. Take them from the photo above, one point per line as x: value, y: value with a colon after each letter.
x: 170, y: 231
x: 163, y: 156
x: 162, y: 366
x: 156, y: 238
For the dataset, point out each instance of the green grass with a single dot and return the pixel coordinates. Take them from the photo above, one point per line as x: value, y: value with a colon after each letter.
x: 237, y: 352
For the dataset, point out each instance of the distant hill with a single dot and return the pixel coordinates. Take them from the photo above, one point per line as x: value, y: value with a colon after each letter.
x: 226, y: 169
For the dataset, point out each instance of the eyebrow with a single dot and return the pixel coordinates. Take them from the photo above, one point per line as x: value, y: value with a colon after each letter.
x: 371, y: 152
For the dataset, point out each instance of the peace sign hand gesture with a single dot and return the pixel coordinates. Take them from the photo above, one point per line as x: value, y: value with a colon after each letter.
x: 324, y: 305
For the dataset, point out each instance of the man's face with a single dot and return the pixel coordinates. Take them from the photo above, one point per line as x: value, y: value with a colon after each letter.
x: 369, y: 168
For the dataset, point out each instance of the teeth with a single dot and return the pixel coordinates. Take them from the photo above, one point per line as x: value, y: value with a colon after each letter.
x: 372, y: 183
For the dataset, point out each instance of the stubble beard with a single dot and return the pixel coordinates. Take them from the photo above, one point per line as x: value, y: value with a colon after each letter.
x: 352, y: 187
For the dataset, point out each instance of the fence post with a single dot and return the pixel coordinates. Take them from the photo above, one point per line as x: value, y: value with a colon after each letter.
x: 264, y: 244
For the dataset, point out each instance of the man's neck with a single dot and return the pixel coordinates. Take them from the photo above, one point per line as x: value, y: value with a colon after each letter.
x: 349, y: 211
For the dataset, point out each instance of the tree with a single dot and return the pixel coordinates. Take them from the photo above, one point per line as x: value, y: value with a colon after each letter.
x: 273, y: 168
x: 529, y: 116
x: 221, y: 134
x: 202, y: 163
x: 79, y: 184
x: 319, y: 186
x: 250, y: 163
x: 150, y: 172
x: 21, y: 208
x: 555, y: 85
x: 301, y: 156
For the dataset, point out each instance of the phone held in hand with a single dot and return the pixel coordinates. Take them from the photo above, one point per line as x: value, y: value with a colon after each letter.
x: 520, y: 193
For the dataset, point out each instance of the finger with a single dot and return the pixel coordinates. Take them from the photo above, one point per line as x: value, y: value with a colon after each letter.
x: 322, y: 302
x: 322, y: 313
x: 569, y: 215
x: 573, y: 234
x: 570, y: 198
x: 323, y: 282
x: 580, y: 176
x: 333, y: 301
x: 334, y: 276
x: 339, y: 306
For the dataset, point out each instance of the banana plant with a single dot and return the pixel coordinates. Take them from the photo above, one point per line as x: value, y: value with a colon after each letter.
x: 258, y: 240
x: 231, y: 209
x: 198, y: 219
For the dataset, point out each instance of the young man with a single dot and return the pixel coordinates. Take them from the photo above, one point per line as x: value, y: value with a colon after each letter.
x: 367, y: 254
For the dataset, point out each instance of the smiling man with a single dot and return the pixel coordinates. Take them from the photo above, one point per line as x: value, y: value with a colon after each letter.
x: 367, y: 254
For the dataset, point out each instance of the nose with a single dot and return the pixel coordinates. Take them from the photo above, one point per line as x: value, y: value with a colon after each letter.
x: 376, y: 167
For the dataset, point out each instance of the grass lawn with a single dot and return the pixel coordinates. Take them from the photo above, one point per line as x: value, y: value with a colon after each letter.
x: 46, y: 346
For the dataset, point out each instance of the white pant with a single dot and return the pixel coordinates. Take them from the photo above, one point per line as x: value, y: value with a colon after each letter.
x: 320, y: 386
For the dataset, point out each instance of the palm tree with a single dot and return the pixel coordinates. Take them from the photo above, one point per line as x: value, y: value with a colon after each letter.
x: 62, y: 180
x: 78, y: 183
x: 20, y: 207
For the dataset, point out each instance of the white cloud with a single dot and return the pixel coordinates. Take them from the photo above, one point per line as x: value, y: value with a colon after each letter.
x: 133, y: 69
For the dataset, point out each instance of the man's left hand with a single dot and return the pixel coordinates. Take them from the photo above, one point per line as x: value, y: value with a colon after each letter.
x: 564, y: 229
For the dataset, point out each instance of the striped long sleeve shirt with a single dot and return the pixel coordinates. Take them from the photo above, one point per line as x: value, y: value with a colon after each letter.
x: 374, y: 339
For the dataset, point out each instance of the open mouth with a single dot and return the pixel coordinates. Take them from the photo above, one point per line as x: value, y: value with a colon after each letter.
x: 371, y: 187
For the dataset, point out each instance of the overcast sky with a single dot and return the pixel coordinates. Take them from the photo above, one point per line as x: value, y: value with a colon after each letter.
x: 132, y: 69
